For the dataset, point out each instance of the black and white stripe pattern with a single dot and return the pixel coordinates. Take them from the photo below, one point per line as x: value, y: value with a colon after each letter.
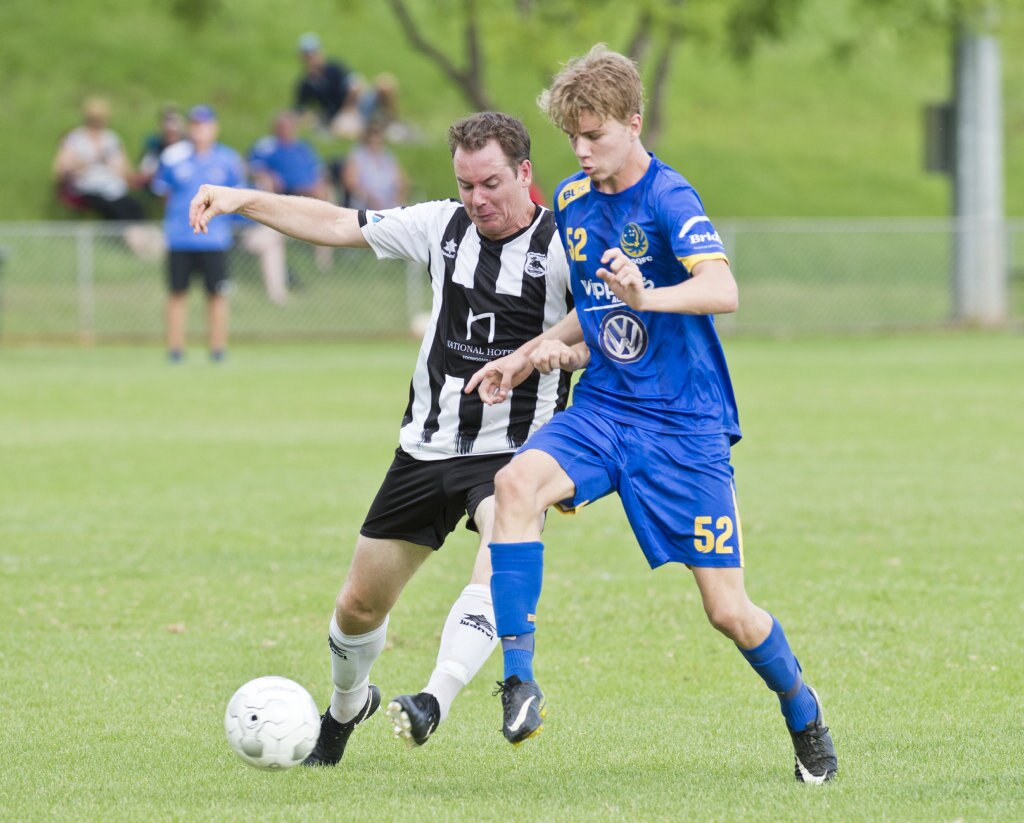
x: 488, y: 299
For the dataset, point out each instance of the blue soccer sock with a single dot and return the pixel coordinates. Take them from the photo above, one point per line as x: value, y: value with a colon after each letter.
x: 516, y: 577
x: 780, y: 670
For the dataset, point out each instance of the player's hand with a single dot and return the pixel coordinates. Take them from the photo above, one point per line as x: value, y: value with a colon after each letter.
x: 552, y: 355
x: 211, y: 201
x: 494, y: 381
x: 623, y: 278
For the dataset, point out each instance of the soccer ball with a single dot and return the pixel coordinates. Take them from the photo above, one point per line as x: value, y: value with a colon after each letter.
x: 272, y: 723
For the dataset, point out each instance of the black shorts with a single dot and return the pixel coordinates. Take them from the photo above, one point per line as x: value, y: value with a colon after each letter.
x: 212, y: 265
x: 422, y: 501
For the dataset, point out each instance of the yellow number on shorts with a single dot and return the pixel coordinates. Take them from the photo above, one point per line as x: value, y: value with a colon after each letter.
x: 705, y: 539
x: 724, y: 526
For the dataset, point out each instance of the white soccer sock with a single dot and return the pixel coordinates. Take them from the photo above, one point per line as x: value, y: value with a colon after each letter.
x: 352, y: 656
x: 467, y: 641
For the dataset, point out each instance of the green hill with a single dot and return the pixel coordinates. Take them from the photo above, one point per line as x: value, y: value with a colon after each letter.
x: 793, y: 134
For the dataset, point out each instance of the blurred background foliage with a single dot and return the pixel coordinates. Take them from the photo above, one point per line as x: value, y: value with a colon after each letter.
x: 770, y: 107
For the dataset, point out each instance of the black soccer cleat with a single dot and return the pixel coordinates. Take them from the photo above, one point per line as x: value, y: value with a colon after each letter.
x: 414, y: 717
x: 330, y: 746
x: 815, y: 754
x: 524, y: 709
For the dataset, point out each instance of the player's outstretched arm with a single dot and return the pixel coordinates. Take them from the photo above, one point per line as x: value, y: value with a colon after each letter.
x: 304, y: 218
x: 494, y: 381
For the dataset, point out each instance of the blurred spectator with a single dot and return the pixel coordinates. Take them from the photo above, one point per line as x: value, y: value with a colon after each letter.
x: 283, y: 163
x: 325, y: 86
x: 91, y: 168
x: 372, y: 175
x: 183, y: 168
x: 344, y: 101
x: 172, y: 129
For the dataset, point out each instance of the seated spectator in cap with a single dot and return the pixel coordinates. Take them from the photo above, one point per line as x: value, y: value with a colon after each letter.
x: 91, y: 167
x: 283, y: 163
x: 325, y: 85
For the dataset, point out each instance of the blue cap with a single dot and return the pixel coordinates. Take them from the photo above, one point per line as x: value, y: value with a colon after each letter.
x: 309, y: 42
x: 201, y: 114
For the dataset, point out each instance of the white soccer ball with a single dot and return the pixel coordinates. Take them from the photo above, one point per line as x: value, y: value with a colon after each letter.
x: 272, y: 723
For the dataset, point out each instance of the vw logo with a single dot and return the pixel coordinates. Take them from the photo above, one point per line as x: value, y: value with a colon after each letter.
x: 623, y: 337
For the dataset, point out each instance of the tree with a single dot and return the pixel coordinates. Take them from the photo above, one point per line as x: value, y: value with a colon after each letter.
x: 655, y: 30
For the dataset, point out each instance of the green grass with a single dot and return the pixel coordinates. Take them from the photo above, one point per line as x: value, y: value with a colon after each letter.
x: 794, y: 133
x: 168, y: 533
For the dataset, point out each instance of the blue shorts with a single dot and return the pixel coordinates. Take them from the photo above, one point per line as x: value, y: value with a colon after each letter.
x: 677, y: 490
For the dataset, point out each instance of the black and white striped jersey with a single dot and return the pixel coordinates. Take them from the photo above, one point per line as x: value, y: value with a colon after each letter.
x: 489, y: 297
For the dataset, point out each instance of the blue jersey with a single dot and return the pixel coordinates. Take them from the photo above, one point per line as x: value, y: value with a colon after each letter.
x: 178, y: 178
x: 658, y: 370
x: 295, y: 165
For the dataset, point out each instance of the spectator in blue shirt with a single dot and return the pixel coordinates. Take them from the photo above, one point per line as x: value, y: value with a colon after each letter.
x: 184, y: 167
x: 285, y: 164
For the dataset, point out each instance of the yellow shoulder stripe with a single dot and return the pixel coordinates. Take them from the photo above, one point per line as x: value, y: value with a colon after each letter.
x: 693, y: 259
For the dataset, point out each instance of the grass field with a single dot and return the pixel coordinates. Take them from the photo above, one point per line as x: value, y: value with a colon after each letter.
x: 167, y: 533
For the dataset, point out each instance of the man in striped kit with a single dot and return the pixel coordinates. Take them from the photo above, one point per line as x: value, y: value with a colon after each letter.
x: 499, y: 278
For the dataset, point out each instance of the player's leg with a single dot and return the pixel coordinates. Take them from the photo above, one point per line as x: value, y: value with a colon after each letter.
x: 379, y: 572
x: 467, y: 640
x: 469, y: 635
x: 215, y: 271
x: 524, y: 489
x: 762, y: 642
x: 178, y: 274
x: 679, y: 497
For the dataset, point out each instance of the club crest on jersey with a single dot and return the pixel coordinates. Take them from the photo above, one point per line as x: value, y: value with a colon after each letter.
x: 536, y: 264
x: 450, y: 249
x: 633, y: 240
x: 623, y: 336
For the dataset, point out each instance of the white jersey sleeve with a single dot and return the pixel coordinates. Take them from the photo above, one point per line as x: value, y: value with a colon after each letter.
x: 407, y: 233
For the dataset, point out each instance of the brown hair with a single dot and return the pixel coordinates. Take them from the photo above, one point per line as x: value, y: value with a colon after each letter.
x: 476, y: 131
x: 601, y: 81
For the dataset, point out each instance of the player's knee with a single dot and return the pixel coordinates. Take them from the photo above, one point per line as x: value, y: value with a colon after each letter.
x: 354, y: 610
x: 725, y: 616
x: 513, y: 486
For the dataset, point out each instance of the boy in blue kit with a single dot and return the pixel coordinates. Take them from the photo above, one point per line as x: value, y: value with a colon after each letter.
x: 653, y: 417
x: 184, y: 167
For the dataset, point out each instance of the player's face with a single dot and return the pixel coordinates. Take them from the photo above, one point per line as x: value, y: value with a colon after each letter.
x: 496, y: 196
x: 604, y: 147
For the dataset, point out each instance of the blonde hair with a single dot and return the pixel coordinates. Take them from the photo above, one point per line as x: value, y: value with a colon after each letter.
x: 601, y: 81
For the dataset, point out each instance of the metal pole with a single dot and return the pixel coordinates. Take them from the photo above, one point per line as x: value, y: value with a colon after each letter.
x: 980, y: 289
x: 86, y: 290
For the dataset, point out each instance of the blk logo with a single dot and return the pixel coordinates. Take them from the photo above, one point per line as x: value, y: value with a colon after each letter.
x: 623, y: 337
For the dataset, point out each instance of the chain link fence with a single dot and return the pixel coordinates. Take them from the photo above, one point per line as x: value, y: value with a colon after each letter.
x: 102, y: 282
